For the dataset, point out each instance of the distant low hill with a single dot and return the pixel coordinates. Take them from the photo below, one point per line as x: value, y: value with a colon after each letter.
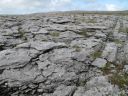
x: 125, y: 12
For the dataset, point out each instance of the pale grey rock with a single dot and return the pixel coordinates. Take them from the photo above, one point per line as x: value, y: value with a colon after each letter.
x: 81, y: 56
x: 101, y: 35
x: 14, y: 58
x: 41, y: 46
x: 99, y: 86
x: 126, y: 68
x: 68, y: 35
x: 96, y: 27
x: 120, y: 36
x: 125, y: 50
x: 80, y: 91
x: 41, y: 31
x: 64, y: 90
x: 57, y: 27
x: 61, y: 21
x: 99, y: 62
x: 61, y: 56
x: 43, y: 65
x: 110, y: 52
x: 123, y: 54
x: 89, y: 44
x: 19, y: 76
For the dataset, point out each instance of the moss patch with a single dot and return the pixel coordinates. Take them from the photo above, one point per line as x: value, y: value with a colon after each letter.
x: 77, y: 48
x: 96, y: 54
x: 124, y: 30
x: 118, y: 41
x: 22, y: 34
x: 91, y: 21
x: 83, y: 33
x: 116, y: 75
x: 107, y: 68
x: 120, y: 79
x: 55, y: 34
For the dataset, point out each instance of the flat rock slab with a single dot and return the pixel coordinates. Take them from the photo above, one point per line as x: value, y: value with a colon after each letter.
x: 41, y: 46
x: 99, y: 62
x: 14, y: 57
x: 110, y: 52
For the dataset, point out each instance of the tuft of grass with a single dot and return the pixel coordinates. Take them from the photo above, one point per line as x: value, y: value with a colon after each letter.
x: 91, y: 21
x: 83, y: 33
x: 96, y: 54
x: 116, y: 77
x: 55, y: 34
x: 82, y: 83
x: 87, y: 20
x: 118, y: 41
x: 22, y: 34
x: 120, y: 79
x: 77, y: 48
x: 122, y: 94
x: 124, y: 30
x: 107, y: 68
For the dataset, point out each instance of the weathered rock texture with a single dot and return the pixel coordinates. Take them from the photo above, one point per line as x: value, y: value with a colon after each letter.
x: 62, y: 54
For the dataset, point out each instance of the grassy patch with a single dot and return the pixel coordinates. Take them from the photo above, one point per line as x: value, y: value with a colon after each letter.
x: 77, y: 48
x: 118, y: 41
x: 116, y: 77
x: 82, y: 83
x: 96, y: 54
x: 120, y: 79
x: 83, y: 33
x: 107, y: 68
x: 22, y: 34
x: 124, y: 30
x: 87, y: 20
x: 91, y: 21
x: 55, y: 34
x: 123, y: 94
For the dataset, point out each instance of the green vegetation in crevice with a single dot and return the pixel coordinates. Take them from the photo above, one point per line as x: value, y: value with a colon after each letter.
x: 55, y: 34
x: 117, y: 41
x: 107, y: 68
x: 22, y: 34
x: 85, y: 20
x: 122, y: 93
x: 14, y: 45
x: 83, y: 33
x: 82, y: 20
x: 77, y: 48
x: 116, y: 75
x: 82, y: 83
x: 110, y: 37
x: 120, y: 79
x: 91, y: 21
x: 96, y: 54
x: 123, y: 29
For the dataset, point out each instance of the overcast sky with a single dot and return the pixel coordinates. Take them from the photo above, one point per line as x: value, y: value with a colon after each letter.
x: 34, y: 6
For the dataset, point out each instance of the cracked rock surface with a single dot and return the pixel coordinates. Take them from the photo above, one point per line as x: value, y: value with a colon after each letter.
x: 63, y: 55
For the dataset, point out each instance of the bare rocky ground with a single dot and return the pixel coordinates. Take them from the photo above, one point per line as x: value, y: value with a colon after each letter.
x: 64, y: 55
